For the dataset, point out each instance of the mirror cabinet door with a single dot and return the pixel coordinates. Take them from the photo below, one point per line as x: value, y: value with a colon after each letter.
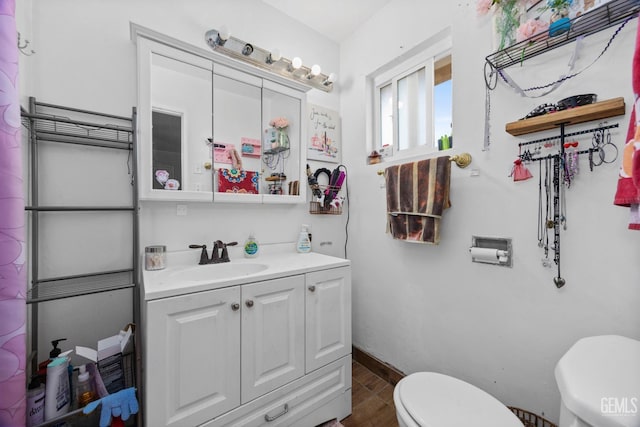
x: 282, y: 143
x: 181, y: 102
x: 236, y: 145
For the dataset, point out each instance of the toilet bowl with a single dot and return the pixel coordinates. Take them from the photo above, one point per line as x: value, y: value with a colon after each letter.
x: 429, y: 399
x: 599, y: 383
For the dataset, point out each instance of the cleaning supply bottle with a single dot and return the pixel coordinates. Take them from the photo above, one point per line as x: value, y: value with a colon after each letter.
x: 84, y: 391
x: 251, y: 247
x: 57, y: 397
x: 304, y: 241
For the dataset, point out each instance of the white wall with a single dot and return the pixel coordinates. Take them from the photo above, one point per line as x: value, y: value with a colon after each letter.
x: 85, y: 59
x: 429, y: 307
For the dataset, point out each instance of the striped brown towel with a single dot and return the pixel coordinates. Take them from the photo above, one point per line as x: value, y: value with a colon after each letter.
x: 417, y: 195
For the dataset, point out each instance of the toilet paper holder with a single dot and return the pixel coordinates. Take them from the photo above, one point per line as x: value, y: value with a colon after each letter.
x: 491, y: 250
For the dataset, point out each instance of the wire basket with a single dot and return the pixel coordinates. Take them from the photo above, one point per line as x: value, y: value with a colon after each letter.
x: 319, y: 208
x: 529, y: 419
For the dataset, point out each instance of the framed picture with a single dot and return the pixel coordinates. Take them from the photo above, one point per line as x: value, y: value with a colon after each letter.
x: 324, y: 142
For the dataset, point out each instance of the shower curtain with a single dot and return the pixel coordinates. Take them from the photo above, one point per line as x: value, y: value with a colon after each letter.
x: 13, y: 279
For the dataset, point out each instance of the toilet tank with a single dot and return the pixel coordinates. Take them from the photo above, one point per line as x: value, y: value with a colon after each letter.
x: 599, y: 381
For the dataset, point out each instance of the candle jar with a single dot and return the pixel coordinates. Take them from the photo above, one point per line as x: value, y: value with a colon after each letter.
x: 155, y: 257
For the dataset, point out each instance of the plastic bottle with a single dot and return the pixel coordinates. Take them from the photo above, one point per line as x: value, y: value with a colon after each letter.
x: 35, y: 403
x: 58, y: 393
x: 42, y: 366
x: 251, y: 247
x: 84, y: 391
x: 304, y: 242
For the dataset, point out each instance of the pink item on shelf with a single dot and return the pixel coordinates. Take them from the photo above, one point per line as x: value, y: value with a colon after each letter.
x: 222, y: 152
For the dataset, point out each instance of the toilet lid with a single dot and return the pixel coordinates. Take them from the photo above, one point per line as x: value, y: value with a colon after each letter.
x: 436, y: 400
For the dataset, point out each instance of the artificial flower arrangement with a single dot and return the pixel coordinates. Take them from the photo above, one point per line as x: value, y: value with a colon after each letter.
x: 279, y: 123
x: 512, y: 28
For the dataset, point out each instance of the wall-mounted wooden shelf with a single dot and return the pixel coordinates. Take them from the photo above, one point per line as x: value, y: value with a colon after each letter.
x: 586, y: 113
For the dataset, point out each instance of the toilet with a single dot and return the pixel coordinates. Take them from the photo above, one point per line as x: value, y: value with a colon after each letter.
x: 429, y: 399
x: 599, y: 383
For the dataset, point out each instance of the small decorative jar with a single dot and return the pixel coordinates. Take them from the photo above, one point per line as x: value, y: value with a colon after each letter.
x: 155, y: 257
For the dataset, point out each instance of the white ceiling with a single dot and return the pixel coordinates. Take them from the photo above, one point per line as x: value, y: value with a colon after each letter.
x: 336, y: 19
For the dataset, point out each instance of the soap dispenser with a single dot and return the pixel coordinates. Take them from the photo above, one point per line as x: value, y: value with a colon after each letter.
x: 251, y: 247
x: 304, y: 241
x: 55, y: 352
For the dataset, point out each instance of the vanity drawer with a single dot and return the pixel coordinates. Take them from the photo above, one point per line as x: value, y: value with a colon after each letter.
x: 290, y: 403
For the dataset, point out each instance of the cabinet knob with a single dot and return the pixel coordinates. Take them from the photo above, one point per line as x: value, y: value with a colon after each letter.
x: 235, y: 306
x: 249, y: 303
x: 312, y: 288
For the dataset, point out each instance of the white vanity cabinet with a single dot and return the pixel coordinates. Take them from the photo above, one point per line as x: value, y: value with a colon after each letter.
x: 192, y: 357
x: 266, y: 352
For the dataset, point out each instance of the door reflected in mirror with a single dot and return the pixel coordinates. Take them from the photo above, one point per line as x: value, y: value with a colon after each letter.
x: 167, y: 150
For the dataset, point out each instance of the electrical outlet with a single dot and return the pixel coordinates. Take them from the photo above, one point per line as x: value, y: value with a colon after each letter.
x: 197, y: 186
x: 181, y: 210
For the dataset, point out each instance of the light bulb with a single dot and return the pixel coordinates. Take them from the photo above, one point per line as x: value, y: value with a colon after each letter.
x: 224, y: 33
x: 332, y: 77
x: 296, y: 63
x: 315, y: 70
x: 274, y: 56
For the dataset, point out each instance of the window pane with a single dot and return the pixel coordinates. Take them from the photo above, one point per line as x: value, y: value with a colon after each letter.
x: 442, y: 109
x: 412, y: 110
x: 386, y: 115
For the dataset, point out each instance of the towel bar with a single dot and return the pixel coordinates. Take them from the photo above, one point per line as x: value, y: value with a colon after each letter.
x: 462, y: 160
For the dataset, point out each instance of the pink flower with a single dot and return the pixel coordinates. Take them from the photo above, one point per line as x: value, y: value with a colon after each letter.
x: 279, y: 122
x: 483, y: 6
x: 530, y: 28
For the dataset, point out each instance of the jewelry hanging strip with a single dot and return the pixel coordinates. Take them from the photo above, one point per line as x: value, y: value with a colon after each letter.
x: 560, y: 168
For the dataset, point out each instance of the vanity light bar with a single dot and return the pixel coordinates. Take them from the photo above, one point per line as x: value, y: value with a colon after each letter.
x: 222, y: 42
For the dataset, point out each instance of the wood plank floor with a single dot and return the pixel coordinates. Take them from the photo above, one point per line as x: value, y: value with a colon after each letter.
x: 372, y: 400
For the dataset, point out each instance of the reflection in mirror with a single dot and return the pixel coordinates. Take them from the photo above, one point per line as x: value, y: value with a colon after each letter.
x: 281, y: 143
x: 181, y: 101
x: 236, y: 145
x: 167, y: 150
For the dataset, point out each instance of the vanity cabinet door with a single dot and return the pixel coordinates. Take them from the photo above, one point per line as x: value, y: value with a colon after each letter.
x: 272, y: 335
x: 328, y: 316
x: 192, y: 357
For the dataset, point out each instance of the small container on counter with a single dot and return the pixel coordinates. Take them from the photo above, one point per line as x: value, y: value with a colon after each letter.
x: 155, y: 257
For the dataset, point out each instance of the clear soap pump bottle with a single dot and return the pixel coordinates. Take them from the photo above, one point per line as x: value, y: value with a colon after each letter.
x: 84, y: 391
x: 251, y: 247
x: 304, y: 240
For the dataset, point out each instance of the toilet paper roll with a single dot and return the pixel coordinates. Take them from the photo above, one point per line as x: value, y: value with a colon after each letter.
x: 486, y: 255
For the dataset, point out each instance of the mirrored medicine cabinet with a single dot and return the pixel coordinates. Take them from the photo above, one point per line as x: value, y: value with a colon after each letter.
x: 206, y: 127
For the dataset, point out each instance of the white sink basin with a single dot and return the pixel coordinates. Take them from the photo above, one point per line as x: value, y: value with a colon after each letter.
x: 215, y: 272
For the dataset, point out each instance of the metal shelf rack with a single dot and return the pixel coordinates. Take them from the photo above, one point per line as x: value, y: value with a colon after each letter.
x: 593, y: 21
x: 50, y: 123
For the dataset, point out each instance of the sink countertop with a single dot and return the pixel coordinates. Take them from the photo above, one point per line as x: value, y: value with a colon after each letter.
x: 279, y: 262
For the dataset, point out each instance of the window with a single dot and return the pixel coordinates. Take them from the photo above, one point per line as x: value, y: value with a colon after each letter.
x: 413, y: 102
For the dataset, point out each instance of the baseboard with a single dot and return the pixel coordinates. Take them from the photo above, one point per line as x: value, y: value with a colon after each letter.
x: 378, y: 367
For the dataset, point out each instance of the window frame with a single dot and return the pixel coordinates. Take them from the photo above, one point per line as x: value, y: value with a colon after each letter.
x: 425, y: 55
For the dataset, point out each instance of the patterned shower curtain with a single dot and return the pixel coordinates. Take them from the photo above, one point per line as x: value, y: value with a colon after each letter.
x: 13, y: 279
